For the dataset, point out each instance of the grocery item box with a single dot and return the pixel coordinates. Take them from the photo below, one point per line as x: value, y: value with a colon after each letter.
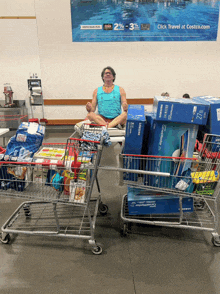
x: 180, y: 110
x: 142, y: 202
x: 134, y: 129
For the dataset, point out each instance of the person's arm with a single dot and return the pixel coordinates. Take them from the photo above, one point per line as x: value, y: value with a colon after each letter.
x: 91, y: 106
x: 124, y: 103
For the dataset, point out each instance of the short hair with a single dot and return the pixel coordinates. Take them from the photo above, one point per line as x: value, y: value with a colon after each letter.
x: 111, y: 70
x: 165, y: 94
x: 186, y: 95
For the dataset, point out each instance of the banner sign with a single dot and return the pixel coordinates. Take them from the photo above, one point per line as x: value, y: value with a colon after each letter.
x: 144, y: 20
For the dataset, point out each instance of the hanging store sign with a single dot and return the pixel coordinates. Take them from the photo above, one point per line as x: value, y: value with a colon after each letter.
x: 144, y: 20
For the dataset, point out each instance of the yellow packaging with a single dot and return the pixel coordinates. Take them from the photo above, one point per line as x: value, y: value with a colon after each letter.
x: 68, y: 176
x: 205, y: 177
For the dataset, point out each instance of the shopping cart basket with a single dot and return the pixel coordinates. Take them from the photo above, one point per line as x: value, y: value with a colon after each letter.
x: 184, y: 197
x: 58, y: 184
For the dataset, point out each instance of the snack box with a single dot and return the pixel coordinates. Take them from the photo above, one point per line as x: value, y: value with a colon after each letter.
x: 50, y: 153
x: 205, y: 176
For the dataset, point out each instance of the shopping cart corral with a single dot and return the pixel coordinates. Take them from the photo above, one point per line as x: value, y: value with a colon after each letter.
x: 186, y: 196
x: 57, y: 188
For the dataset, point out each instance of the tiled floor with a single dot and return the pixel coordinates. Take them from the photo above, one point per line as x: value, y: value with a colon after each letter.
x: 151, y: 260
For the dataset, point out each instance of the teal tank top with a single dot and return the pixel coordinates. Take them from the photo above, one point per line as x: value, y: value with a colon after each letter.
x: 109, y: 104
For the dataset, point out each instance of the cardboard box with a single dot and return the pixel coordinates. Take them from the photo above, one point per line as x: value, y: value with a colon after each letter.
x: 167, y: 137
x: 172, y: 140
x: 213, y: 122
x: 134, y: 129
x: 149, y: 119
x: 39, y: 174
x: 141, y: 202
x: 50, y: 153
x: 131, y: 163
x: 180, y: 110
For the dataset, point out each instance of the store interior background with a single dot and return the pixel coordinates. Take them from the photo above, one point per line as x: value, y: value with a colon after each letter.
x: 43, y: 45
x: 166, y: 260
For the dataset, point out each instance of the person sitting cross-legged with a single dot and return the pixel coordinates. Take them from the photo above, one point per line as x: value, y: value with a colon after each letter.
x: 110, y: 99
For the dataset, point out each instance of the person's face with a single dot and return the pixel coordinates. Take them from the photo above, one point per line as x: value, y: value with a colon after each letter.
x: 108, y: 76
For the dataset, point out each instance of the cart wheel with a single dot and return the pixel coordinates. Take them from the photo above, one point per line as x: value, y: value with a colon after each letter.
x: 200, y: 205
x: 97, y: 250
x: 6, y: 240
x: 103, y: 209
x: 215, y: 241
x: 124, y: 230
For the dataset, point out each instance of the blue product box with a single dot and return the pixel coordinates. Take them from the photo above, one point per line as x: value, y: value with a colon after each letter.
x: 213, y: 123
x: 165, y: 138
x: 180, y: 110
x: 142, y: 202
x: 131, y: 163
x: 174, y: 140
x: 134, y: 129
x: 148, y: 124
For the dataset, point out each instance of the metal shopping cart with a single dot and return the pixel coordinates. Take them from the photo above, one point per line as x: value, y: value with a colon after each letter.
x: 176, y: 191
x: 58, y: 186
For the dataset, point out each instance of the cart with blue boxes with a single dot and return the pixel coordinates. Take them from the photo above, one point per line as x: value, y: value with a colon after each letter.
x: 175, y: 192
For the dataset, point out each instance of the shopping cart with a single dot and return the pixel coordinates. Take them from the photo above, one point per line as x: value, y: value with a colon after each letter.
x: 58, y: 185
x: 177, y: 192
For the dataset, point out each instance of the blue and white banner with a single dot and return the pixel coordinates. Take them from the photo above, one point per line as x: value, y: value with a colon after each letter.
x: 144, y: 20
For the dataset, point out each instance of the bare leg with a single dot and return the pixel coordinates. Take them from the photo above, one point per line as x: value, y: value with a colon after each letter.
x: 96, y: 118
x: 121, y: 119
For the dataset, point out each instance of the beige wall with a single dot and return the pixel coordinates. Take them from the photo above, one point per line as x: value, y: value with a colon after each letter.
x: 72, y: 70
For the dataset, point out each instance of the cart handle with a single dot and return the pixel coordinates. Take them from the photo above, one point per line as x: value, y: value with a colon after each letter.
x: 31, y: 163
x: 156, y: 156
x: 84, y: 140
x: 136, y: 171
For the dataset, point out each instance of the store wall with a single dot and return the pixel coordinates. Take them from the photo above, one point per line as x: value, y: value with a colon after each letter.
x: 42, y: 44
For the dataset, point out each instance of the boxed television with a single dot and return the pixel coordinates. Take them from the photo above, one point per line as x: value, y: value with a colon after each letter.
x: 143, y: 202
x: 171, y: 140
x: 213, y: 122
x: 180, y: 110
x: 134, y: 129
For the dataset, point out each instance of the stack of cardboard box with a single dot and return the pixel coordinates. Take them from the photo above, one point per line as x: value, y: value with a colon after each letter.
x: 170, y: 130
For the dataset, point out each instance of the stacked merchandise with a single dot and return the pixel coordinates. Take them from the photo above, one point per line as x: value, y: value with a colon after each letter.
x: 213, y: 122
x: 21, y: 148
x: 25, y: 143
x: 170, y: 130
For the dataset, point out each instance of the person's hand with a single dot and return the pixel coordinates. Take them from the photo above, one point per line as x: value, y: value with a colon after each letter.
x: 89, y: 106
x: 125, y: 106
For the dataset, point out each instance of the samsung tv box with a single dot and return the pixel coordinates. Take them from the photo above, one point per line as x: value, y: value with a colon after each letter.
x: 134, y: 129
x: 143, y: 202
x: 180, y: 110
x: 213, y: 122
